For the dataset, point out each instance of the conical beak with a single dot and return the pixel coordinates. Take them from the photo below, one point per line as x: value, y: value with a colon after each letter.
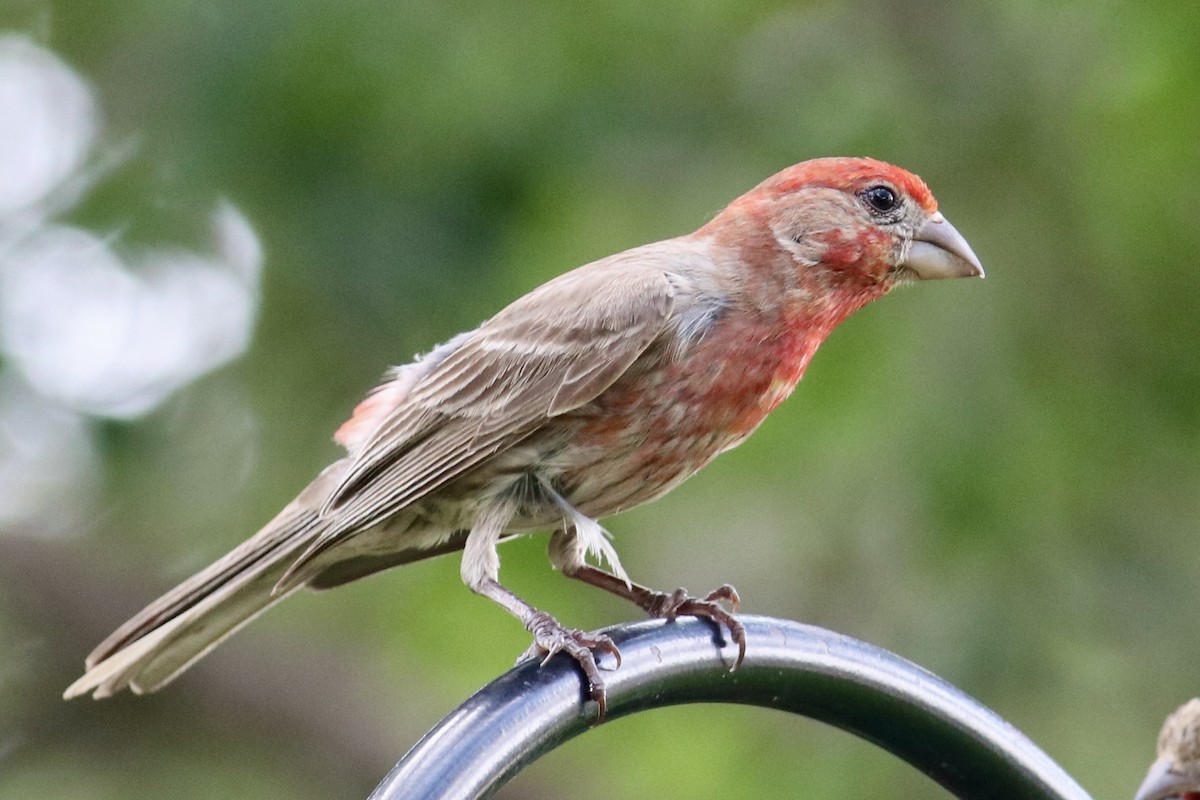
x: 1162, y: 782
x: 939, y: 251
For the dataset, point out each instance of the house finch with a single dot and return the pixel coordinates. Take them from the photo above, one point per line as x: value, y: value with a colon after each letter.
x: 598, y: 391
x: 1176, y: 772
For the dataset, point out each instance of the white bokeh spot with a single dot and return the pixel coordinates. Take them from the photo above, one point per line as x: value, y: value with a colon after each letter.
x: 91, y: 326
x: 48, y: 124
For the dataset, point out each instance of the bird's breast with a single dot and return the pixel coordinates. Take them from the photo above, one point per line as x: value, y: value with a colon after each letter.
x: 659, y: 424
x: 726, y: 385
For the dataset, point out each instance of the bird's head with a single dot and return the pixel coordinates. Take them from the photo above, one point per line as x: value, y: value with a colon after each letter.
x: 855, y: 223
x: 1176, y: 771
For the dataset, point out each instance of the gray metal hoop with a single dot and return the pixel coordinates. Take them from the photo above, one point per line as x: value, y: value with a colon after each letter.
x: 836, y: 679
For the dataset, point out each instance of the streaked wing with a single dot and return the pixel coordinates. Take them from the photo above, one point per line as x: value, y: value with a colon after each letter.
x: 551, y: 351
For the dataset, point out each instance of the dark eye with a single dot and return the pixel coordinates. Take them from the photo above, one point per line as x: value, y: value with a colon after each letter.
x: 881, y: 198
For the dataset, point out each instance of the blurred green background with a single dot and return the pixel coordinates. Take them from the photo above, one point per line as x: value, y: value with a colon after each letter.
x: 999, y: 480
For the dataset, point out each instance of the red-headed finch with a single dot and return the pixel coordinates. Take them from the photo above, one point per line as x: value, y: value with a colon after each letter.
x: 1176, y: 771
x: 600, y: 390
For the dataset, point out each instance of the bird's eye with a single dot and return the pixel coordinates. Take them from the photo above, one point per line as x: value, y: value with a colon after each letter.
x: 881, y: 198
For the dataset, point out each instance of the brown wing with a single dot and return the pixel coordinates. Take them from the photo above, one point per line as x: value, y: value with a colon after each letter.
x: 553, y: 350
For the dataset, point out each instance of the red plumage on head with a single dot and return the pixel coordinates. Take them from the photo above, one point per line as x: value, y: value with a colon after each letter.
x: 852, y: 174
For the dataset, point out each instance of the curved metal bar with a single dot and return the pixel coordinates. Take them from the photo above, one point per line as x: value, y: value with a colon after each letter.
x: 836, y: 679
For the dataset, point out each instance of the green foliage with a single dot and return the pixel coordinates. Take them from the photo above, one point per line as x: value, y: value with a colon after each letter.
x: 998, y: 480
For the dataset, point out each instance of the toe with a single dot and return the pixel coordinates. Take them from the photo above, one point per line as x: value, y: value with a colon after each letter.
x: 727, y: 593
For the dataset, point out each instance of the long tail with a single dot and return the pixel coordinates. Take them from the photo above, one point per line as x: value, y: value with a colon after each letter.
x: 168, y: 635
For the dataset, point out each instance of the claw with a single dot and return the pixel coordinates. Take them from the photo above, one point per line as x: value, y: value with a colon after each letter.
x: 728, y: 594
x: 551, y: 637
x: 680, y: 603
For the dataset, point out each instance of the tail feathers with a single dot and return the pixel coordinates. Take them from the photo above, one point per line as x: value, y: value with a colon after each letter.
x: 164, y: 639
x: 301, y: 569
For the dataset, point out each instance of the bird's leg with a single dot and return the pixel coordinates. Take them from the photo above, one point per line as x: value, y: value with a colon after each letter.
x: 567, y: 556
x: 481, y: 573
x: 550, y: 636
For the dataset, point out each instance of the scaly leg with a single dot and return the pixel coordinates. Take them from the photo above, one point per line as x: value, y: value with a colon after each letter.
x: 550, y: 636
x: 566, y: 554
x: 481, y: 572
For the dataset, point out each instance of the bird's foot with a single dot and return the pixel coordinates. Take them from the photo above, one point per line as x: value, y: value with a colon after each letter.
x: 680, y: 603
x: 550, y: 636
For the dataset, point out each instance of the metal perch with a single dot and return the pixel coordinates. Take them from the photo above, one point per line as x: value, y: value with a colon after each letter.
x: 836, y: 679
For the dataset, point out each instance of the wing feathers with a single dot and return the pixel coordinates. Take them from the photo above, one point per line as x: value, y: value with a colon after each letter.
x: 551, y: 351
